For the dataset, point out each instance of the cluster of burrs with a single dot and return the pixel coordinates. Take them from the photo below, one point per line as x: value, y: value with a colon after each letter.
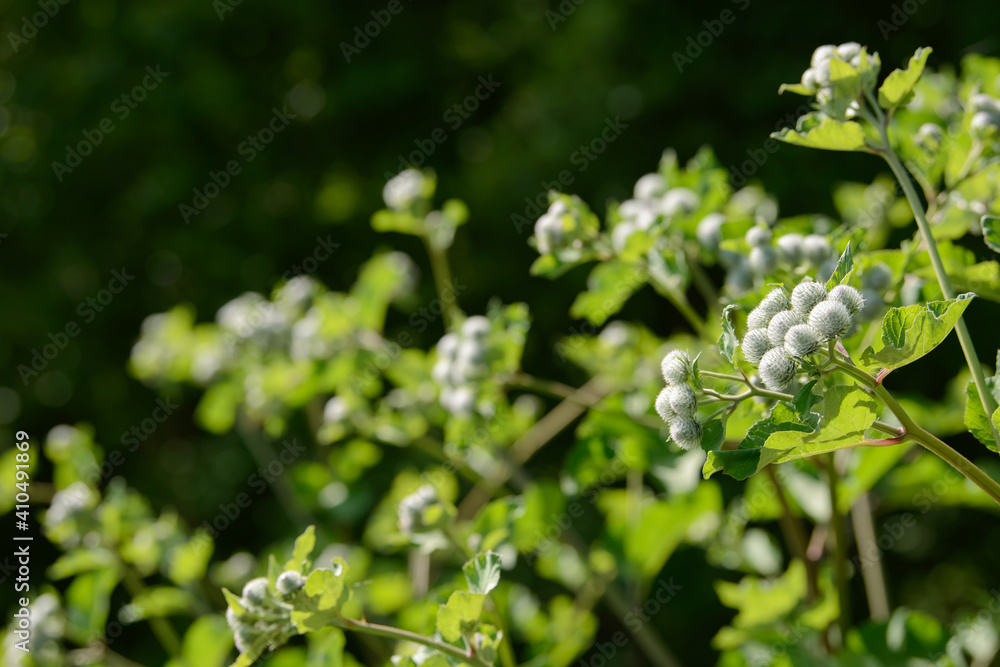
x: 783, y: 329
x: 677, y: 404
x: 265, y: 614
x: 463, y: 360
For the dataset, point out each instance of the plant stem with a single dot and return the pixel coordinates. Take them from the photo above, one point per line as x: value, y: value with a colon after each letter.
x: 679, y: 301
x: 944, y: 282
x: 407, y: 636
x: 530, y: 442
x: 871, y: 568
x: 840, y: 549
x: 915, y: 432
x: 795, y: 537
x: 563, y: 391
x: 161, y: 627
x: 263, y: 455
x: 442, y: 282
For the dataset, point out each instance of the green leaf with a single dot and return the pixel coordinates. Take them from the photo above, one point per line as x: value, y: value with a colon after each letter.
x: 187, y: 562
x: 482, y: 573
x: 727, y: 341
x: 975, y: 416
x: 804, y: 401
x: 325, y: 592
x: 713, y: 434
x: 898, y: 86
x: 991, y: 232
x: 830, y: 135
x: 88, y: 600
x: 156, y: 602
x: 761, y: 602
x: 459, y: 617
x: 847, y: 412
x: 233, y: 600
x: 206, y: 643
x: 796, y: 88
x: 910, y: 332
x: 844, y: 268
x: 304, y: 545
x: 609, y: 286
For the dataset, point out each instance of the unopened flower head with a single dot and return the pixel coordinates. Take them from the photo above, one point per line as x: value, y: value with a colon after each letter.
x: 776, y: 369
x: 758, y: 235
x: 772, y: 304
x: 790, y: 248
x: 816, y: 249
x: 676, y: 367
x: 802, y: 340
x: 780, y: 324
x: 290, y: 581
x: 404, y: 189
x: 683, y: 400
x: 686, y: 432
x: 763, y: 260
x: 679, y: 201
x: 831, y: 319
x: 662, y: 406
x: 256, y: 591
x: 650, y: 186
x: 755, y: 343
x: 850, y: 297
x: 805, y: 296
x: 709, y: 230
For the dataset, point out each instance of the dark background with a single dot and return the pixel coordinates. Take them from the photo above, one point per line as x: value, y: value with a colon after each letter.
x: 323, y: 174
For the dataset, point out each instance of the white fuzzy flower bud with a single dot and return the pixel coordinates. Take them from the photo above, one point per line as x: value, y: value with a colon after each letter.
x: 232, y: 619
x: 848, y: 50
x: 679, y: 201
x: 290, y: 581
x: 816, y: 249
x: 985, y: 102
x: 780, y: 324
x: 662, y: 406
x: 802, y: 340
x: 255, y: 591
x: 809, y: 79
x: 772, y: 304
x: 776, y: 369
x: 686, y: 433
x: 805, y: 296
x: 982, y: 121
x: 244, y: 637
x: 683, y: 400
x: 790, y: 248
x: 850, y: 297
x: 447, y: 346
x: 929, y: 136
x: 758, y: 235
x: 831, y: 319
x: 650, y: 186
x: 822, y: 54
x: 549, y: 232
x: 763, y: 260
x: 755, y: 343
x: 675, y: 367
x: 621, y: 233
x: 403, y: 189
x: 458, y: 400
x: 476, y: 327
x: 709, y: 230
x: 336, y: 410
x: 877, y: 277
